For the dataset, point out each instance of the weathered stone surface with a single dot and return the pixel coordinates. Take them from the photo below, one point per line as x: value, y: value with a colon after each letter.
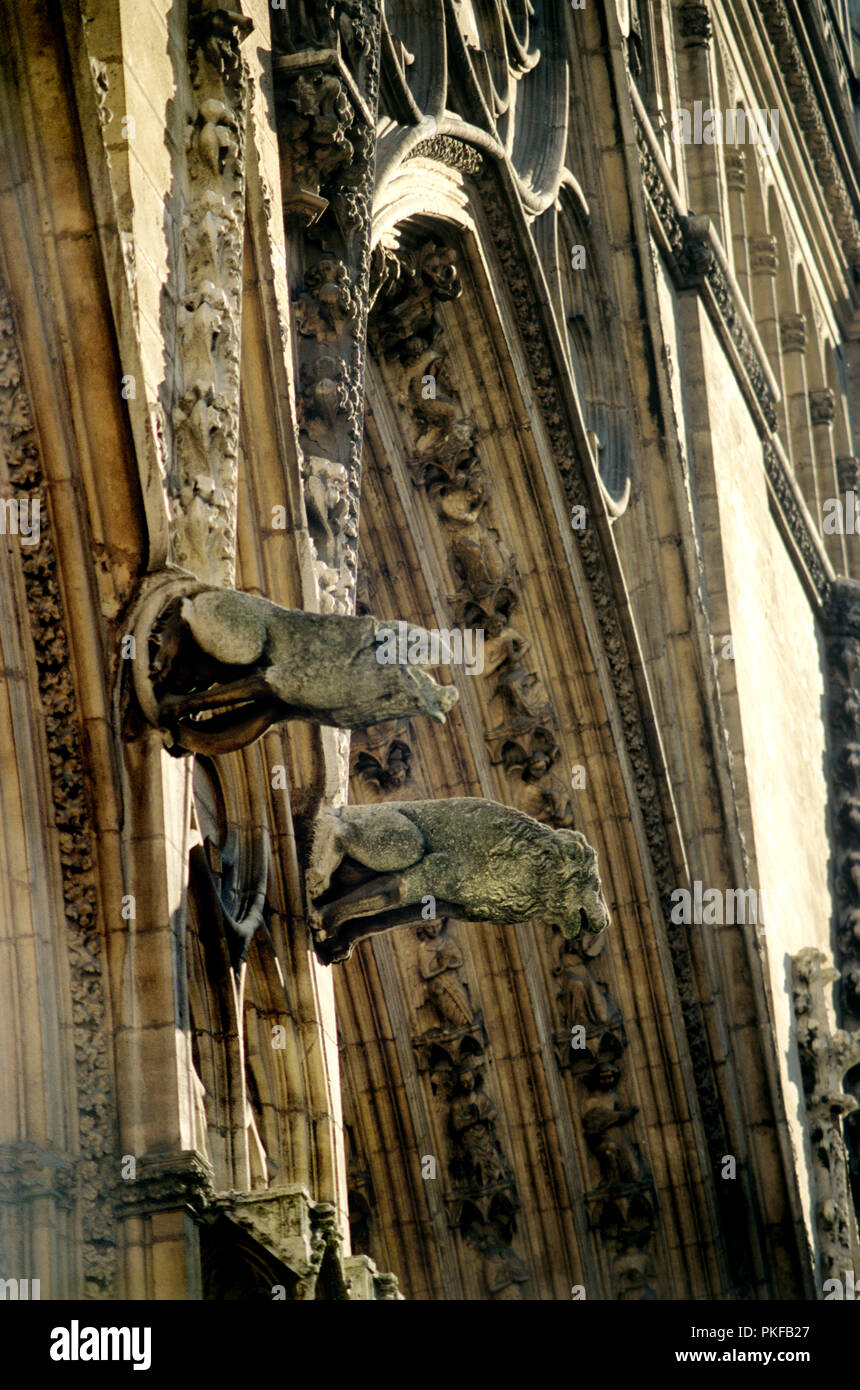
x: 598, y: 412
x: 216, y: 667
x: 467, y: 856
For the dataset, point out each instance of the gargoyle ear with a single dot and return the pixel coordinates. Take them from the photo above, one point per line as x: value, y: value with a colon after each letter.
x: 574, y: 844
x: 436, y: 699
x: 226, y: 626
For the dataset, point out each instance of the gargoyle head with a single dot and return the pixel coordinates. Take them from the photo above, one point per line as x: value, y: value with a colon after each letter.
x: 214, y: 668
x: 583, y: 905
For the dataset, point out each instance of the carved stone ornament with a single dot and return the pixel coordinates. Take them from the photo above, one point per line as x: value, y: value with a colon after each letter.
x: 822, y: 406
x: 214, y: 668
x: 483, y: 1199
x: 796, y: 518
x: 372, y: 867
x: 409, y: 285
x: 826, y: 1054
x: 842, y: 620
x: 823, y: 161
x: 28, y: 1172
x: 848, y: 473
x: 590, y: 1046
x: 792, y: 332
x: 302, y: 1234
x: 697, y: 263
x: 23, y: 1169
x: 736, y: 169
x: 694, y: 19
x: 764, y: 254
x: 203, y: 476
x: 326, y: 73
x: 382, y: 756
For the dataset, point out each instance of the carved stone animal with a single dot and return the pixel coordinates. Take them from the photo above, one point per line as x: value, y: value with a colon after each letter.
x: 474, y: 858
x: 213, y: 668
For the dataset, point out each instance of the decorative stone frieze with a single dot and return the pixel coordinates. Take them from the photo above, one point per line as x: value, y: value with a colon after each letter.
x: 590, y: 1045
x: 72, y: 829
x: 382, y: 756
x: 454, y: 1055
x: 796, y: 519
x: 406, y: 330
x: 842, y: 623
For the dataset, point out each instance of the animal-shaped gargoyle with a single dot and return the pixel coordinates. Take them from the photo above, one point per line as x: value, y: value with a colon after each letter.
x: 214, y: 668
x: 375, y: 867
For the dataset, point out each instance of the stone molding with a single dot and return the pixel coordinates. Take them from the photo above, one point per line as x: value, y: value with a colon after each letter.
x: 73, y: 832
x: 696, y: 262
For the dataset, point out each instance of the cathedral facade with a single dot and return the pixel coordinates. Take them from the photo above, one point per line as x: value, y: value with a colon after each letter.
x: 343, y: 342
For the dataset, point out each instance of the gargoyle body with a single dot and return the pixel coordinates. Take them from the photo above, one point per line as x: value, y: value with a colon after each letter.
x: 374, y: 867
x: 214, y: 668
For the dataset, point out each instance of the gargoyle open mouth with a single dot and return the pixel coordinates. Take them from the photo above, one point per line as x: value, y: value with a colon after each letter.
x: 204, y: 705
x: 221, y: 718
x: 214, y: 668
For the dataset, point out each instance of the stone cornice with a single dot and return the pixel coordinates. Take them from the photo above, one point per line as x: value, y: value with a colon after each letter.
x: 163, y: 1182
x: 803, y: 543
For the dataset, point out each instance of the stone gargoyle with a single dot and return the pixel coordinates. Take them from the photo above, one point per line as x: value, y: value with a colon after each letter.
x: 380, y: 866
x: 214, y: 668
